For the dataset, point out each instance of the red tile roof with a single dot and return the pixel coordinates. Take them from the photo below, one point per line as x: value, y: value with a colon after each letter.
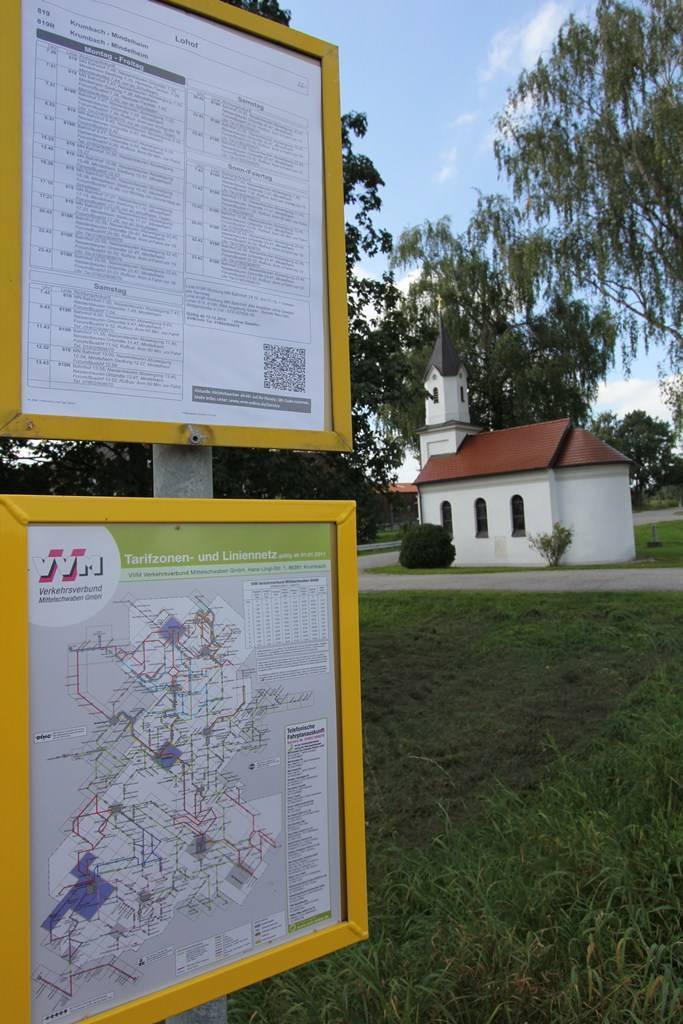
x: 403, y: 488
x: 537, y: 446
x: 584, y: 449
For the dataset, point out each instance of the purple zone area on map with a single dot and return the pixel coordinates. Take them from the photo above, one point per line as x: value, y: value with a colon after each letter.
x: 171, y: 629
x: 167, y: 755
x: 85, y: 898
x: 201, y: 844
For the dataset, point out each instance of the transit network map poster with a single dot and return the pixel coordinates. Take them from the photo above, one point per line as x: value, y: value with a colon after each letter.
x: 184, y: 756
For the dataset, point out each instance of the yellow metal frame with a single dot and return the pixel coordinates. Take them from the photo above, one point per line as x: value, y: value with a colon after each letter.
x: 16, y: 514
x: 13, y: 421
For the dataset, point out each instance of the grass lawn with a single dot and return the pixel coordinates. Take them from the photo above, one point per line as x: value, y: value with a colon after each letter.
x: 524, y: 800
x: 669, y: 556
x: 387, y: 535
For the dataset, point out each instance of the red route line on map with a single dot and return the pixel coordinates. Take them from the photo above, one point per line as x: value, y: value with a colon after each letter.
x: 85, y: 970
x: 187, y: 818
x: 198, y: 822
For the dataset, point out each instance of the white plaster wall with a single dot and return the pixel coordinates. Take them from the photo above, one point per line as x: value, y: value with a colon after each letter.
x: 438, y: 441
x: 500, y: 547
x: 434, y: 411
x: 596, y: 502
x: 453, y: 401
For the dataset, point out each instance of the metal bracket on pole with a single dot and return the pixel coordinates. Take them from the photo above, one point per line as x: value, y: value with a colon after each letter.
x: 186, y: 471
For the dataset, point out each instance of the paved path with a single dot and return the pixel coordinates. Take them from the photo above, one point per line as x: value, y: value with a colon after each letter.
x: 661, y: 515
x: 534, y: 580
x: 366, y: 562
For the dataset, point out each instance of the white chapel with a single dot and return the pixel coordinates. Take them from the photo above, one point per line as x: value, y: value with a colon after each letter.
x: 493, y: 489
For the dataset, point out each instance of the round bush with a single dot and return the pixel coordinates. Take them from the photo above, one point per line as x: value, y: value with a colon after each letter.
x: 426, y: 547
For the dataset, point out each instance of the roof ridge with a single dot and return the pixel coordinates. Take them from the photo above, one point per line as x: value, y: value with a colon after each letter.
x: 494, y: 452
x: 600, y: 440
x: 525, y: 426
x: 561, y: 444
x: 582, y: 436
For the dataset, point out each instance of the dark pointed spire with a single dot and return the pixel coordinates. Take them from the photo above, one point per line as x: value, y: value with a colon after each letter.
x: 443, y: 357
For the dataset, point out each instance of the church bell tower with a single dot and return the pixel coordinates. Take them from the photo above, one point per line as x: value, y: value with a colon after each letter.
x: 447, y: 412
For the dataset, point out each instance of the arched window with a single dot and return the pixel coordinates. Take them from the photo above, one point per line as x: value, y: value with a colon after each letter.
x: 447, y: 517
x: 435, y: 394
x: 518, y: 522
x: 481, y: 517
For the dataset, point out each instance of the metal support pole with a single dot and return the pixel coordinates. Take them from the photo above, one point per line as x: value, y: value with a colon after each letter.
x: 182, y: 471
x: 211, y: 1013
x: 186, y: 471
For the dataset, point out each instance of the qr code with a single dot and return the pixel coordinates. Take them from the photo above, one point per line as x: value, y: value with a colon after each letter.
x: 284, y: 368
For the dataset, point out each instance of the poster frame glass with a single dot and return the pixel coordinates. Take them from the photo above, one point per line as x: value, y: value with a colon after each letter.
x: 16, y: 422
x: 17, y: 514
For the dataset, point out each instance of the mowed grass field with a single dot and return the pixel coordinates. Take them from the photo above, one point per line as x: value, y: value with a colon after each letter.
x: 524, y: 780
x: 668, y: 556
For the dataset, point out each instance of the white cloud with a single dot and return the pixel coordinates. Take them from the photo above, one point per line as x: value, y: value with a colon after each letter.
x: 514, y: 113
x: 362, y: 272
x: 540, y: 32
x: 404, y: 283
x: 487, y: 140
x: 623, y: 396
x: 502, y: 48
x: 409, y: 470
x: 514, y: 47
x: 448, y: 166
x: 467, y: 118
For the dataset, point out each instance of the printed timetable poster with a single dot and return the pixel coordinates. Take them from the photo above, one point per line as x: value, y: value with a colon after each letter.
x: 184, y: 753
x: 174, y: 265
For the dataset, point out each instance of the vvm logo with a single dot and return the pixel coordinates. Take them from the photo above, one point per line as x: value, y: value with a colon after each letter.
x: 61, y: 568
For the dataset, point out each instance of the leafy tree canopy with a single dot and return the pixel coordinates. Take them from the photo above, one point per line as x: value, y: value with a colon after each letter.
x: 526, y: 362
x: 645, y: 439
x: 266, y: 8
x: 591, y: 138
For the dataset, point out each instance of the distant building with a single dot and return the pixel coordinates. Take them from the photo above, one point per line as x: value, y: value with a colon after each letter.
x: 398, y: 505
x: 492, y: 490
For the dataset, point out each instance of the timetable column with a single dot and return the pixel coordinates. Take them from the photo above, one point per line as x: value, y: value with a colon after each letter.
x: 39, y: 327
x: 66, y: 155
x: 213, y: 221
x: 194, y: 219
x: 196, y: 120
x: 213, y: 126
x: 62, y: 337
x: 44, y: 133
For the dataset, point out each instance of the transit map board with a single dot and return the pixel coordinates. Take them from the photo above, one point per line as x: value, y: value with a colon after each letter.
x: 187, y: 703
x: 181, y: 227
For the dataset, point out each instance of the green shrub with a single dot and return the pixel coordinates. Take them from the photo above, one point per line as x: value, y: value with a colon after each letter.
x: 426, y: 547
x: 552, y: 546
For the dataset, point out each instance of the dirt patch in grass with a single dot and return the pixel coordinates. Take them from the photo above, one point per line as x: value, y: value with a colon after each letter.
x: 461, y: 691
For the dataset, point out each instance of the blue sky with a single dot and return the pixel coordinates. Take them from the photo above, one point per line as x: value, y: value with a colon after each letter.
x: 431, y: 76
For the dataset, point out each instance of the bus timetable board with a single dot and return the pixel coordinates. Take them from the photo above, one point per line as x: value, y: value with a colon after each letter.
x: 182, y: 723
x: 174, y: 254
